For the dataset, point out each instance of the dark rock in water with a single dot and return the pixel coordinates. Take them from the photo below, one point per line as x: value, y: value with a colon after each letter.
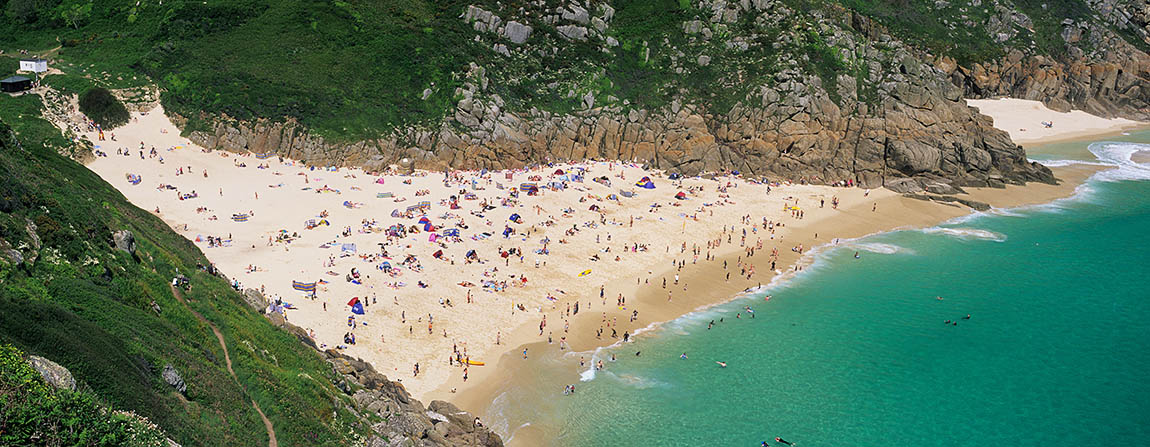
x: 56, y: 375
x: 124, y: 241
x: 172, y: 377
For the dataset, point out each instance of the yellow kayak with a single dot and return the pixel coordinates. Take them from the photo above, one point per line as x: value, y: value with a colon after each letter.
x: 473, y: 363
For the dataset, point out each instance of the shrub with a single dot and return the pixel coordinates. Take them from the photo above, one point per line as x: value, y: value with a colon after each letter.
x: 102, y: 107
x: 34, y: 413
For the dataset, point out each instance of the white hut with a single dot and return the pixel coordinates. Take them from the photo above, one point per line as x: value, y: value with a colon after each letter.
x: 34, y: 65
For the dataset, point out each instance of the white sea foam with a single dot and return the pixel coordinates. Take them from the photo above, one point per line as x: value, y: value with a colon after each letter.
x: 1120, y: 155
x: 880, y: 248
x: 967, y: 233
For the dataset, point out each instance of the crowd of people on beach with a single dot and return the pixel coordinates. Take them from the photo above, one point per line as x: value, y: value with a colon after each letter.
x: 495, y: 229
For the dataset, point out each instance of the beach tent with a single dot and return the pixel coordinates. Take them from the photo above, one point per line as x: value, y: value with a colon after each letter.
x: 593, y: 208
x: 303, y: 286
x: 645, y: 183
x: 395, y: 212
x: 356, y: 306
x: 681, y: 195
x: 558, y: 172
x: 515, y: 218
x: 347, y: 248
x: 558, y: 186
x: 507, y: 231
x: 612, y: 197
x: 451, y: 232
x: 438, y: 254
x: 675, y: 176
x: 424, y: 220
x: 627, y: 194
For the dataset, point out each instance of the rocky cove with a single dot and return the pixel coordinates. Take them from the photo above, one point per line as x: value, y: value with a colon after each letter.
x: 898, y: 121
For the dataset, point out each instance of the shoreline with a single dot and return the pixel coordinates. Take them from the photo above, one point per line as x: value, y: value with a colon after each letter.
x: 1022, y: 120
x: 478, y: 397
x: 637, y: 277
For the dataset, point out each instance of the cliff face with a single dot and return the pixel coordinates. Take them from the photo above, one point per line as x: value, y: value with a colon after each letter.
x: 880, y: 117
x: 1110, y: 81
x: 837, y: 98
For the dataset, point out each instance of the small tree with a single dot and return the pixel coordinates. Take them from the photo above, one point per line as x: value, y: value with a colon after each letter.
x: 73, y: 12
x: 103, y: 108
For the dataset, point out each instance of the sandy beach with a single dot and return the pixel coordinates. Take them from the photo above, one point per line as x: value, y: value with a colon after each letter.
x: 1026, y: 121
x: 425, y: 299
x: 472, y: 267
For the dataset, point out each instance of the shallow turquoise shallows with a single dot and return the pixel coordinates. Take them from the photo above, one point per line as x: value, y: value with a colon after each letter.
x: 855, y: 352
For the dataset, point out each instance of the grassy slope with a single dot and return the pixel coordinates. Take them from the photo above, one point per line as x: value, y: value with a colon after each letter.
x: 87, y: 306
x: 355, y: 69
x: 32, y: 409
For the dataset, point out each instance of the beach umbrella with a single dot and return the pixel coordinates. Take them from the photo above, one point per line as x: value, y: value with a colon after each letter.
x: 356, y: 306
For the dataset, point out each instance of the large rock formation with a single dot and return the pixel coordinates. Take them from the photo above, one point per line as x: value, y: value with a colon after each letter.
x: 882, y: 116
x: 405, y: 420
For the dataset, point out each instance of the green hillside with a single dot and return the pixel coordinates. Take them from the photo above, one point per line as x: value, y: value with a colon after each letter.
x: 356, y: 69
x: 111, y: 318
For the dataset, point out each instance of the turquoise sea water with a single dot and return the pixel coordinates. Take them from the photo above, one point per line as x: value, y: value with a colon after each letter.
x: 855, y: 352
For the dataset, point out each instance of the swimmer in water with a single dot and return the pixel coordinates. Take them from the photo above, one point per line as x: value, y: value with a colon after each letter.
x: 784, y: 441
x: 938, y: 298
x: 684, y: 356
x: 722, y: 364
x: 857, y: 255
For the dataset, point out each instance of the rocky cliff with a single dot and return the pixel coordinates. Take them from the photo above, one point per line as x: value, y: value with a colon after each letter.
x: 839, y: 99
x: 1100, y: 71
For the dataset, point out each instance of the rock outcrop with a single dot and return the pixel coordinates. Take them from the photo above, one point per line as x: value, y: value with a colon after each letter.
x: 56, y: 375
x: 173, y: 379
x: 892, y: 117
x: 124, y: 241
x: 255, y: 300
x: 405, y: 420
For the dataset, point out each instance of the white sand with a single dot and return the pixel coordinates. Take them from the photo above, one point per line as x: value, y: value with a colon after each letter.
x: 406, y: 341
x: 1023, y: 119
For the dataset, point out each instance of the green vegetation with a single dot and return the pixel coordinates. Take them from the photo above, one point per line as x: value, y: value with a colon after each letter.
x: 103, y: 108
x: 30, y: 409
x: 89, y: 307
x: 923, y: 24
x: 826, y: 62
x: 355, y: 69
